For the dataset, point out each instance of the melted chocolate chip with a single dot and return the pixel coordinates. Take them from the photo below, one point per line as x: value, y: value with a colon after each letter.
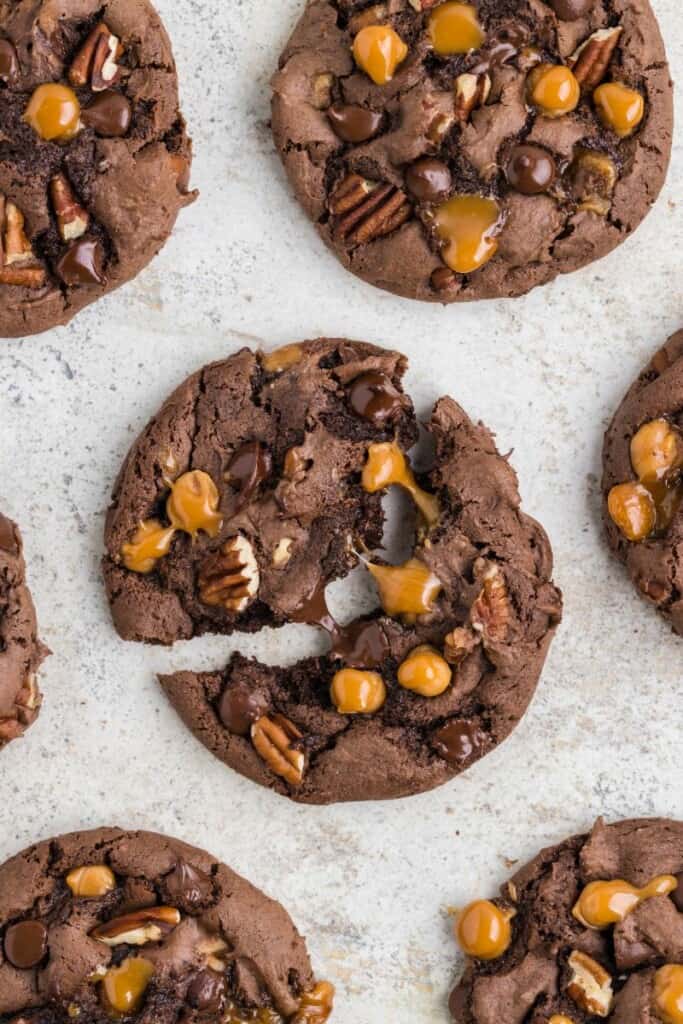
x: 570, y: 10
x: 208, y: 991
x: 500, y: 48
x: 429, y: 180
x: 82, y: 263
x: 249, y: 467
x: 8, y: 540
x: 9, y: 62
x: 240, y: 707
x: 530, y: 170
x: 353, y: 124
x: 360, y: 644
x: 188, y: 887
x: 26, y: 944
x: 677, y: 894
x: 109, y: 114
x: 373, y: 397
x: 458, y: 740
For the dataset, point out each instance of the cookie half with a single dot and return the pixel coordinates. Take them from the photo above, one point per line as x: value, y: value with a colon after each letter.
x: 643, y: 482
x: 449, y: 151
x: 94, y: 158
x: 591, y: 928
x: 285, y: 457
x: 21, y: 652
x: 105, y: 924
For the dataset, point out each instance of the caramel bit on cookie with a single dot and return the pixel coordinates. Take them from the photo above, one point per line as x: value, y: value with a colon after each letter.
x: 483, y: 930
x: 387, y: 465
x: 647, y: 507
x: 357, y: 692
x: 602, y: 904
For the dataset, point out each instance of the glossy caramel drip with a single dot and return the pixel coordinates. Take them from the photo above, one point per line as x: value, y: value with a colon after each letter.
x: 379, y: 50
x: 602, y: 904
x: 454, y: 28
x: 467, y: 226
x: 193, y: 504
x: 648, y: 507
x: 357, y: 692
x: 150, y: 542
x: 123, y: 987
x: 619, y: 108
x: 407, y: 590
x: 667, y: 994
x: 387, y: 465
x: 425, y: 672
x: 553, y: 89
x: 483, y: 930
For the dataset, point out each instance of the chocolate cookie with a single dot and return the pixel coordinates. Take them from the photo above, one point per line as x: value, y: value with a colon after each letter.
x: 260, y: 482
x: 643, y: 482
x: 21, y: 652
x: 591, y: 928
x: 94, y: 157
x: 99, y: 925
x: 454, y: 151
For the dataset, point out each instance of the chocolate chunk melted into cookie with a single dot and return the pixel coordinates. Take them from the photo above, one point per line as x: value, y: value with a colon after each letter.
x: 248, y: 468
x: 110, y: 114
x: 26, y: 944
x: 9, y: 62
x: 373, y: 397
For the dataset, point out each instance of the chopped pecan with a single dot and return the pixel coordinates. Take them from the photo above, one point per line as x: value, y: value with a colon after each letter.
x: 18, y: 265
x: 373, y: 15
x: 590, y: 62
x: 230, y: 578
x: 95, y: 63
x: 367, y: 210
x: 213, y: 951
x: 458, y: 644
x: 471, y: 91
x: 316, y: 1005
x: 590, y: 986
x: 322, y: 91
x: 150, y: 924
x: 273, y: 738
x: 491, y: 612
x: 423, y: 5
x: 593, y: 177
x: 72, y: 219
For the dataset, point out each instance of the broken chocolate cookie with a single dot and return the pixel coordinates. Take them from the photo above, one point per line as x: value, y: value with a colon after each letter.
x: 98, y: 926
x: 449, y: 151
x: 643, y: 482
x: 258, y: 484
x: 592, y: 928
x: 94, y: 156
x: 21, y: 652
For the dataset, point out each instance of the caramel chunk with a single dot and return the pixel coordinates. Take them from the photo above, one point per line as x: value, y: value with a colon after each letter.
x: 379, y: 50
x: 455, y: 28
x: 619, y: 108
x: 425, y: 672
x: 124, y: 987
x: 631, y: 506
x: 408, y: 590
x: 553, y: 89
x: 483, y: 930
x: 91, y: 881
x: 150, y: 542
x: 467, y: 226
x: 54, y: 112
x: 667, y: 993
x: 357, y: 692
x: 193, y: 504
x: 602, y: 904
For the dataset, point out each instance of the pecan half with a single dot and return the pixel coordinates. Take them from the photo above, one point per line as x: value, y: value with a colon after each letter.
x: 230, y: 578
x: 491, y: 612
x: 471, y: 91
x: 273, y: 738
x: 95, y: 63
x: 18, y: 265
x: 72, y: 219
x: 590, y: 62
x: 590, y: 986
x: 367, y: 210
x: 373, y: 15
x: 150, y: 924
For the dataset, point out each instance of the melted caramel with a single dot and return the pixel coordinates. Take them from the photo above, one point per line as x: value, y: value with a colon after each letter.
x: 649, y: 506
x: 358, y: 692
x: 193, y: 504
x: 454, y: 28
x: 467, y: 225
x: 425, y: 672
x: 602, y: 904
x: 282, y: 358
x: 378, y: 50
x: 151, y: 542
x: 656, y: 452
x: 483, y: 930
x: 408, y: 590
x: 123, y: 987
x: 553, y: 89
x: 387, y: 465
x: 54, y: 112
x: 619, y: 108
x: 560, y: 1018
x: 667, y: 993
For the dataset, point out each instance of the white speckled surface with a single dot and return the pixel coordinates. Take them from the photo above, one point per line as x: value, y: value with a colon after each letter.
x: 369, y: 884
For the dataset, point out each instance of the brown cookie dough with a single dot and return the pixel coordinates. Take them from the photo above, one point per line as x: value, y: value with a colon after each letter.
x: 456, y: 151
x: 591, y: 928
x: 21, y: 652
x: 101, y: 925
x: 94, y: 156
x: 643, y: 482
x: 260, y: 482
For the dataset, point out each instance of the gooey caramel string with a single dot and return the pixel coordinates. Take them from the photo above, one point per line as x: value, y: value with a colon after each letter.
x: 603, y: 903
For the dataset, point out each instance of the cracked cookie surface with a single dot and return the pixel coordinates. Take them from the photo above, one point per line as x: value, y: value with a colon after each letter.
x: 105, y: 924
x: 555, y: 118
x: 593, y: 930
x: 257, y: 484
x: 643, y: 484
x: 21, y: 652
x: 94, y: 156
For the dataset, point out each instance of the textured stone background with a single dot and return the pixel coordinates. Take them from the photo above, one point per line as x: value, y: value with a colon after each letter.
x: 369, y: 885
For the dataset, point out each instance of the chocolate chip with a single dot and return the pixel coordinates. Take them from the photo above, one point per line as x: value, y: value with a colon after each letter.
x: 109, y: 114
x: 353, y: 124
x: 26, y: 944
x: 458, y: 740
x: 360, y: 644
x: 373, y: 397
x: 208, y: 991
x: 530, y: 170
x: 8, y: 539
x: 429, y: 180
x: 249, y: 467
x: 240, y: 707
x: 82, y: 263
x: 188, y: 887
x: 9, y: 62
x: 570, y: 10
